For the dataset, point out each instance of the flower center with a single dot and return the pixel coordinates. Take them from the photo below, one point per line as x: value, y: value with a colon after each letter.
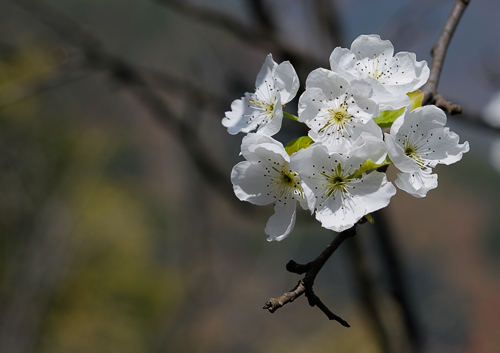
x: 337, y: 118
x: 269, y: 107
x: 411, y: 151
x: 371, y: 68
x: 287, y: 184
x: 286, y: 179
x: 375, y: 73
x: 337, y: 181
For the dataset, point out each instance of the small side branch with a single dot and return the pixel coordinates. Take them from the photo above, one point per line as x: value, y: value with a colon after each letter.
x: 274, y: 304
x: 305, y: 286
x: 438, y: 54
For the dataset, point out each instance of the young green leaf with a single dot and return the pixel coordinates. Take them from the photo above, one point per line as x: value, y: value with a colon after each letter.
x: 297, y: 144
x: 416, y: 98
x: 369, y: 165
x: 387, y: 117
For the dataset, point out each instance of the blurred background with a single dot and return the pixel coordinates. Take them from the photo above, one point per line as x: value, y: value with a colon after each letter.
x: 119, y: 230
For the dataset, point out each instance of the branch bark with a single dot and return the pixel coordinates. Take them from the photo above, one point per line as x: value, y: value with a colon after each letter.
x: 305, y: 286
x: 438, y: 54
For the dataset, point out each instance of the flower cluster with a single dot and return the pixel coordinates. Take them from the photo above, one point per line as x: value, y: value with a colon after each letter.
x: 333, y: 172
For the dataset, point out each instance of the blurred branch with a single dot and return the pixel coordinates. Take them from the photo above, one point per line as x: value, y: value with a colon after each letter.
x: 182, y: 87
x: 438, y: 54
x: 329, y: 21
x: 311, y: 270
x: 96, y: 58
x: 251, y: 34
x: 366, y: 292
x: 261, y: 14
x: 397, y: 283
x: 21, y: 90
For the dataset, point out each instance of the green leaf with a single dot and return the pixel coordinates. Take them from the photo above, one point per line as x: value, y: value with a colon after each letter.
x: 369, y: 165
x: 297, y: 144
x: 387, y: 117
x: 416, y: 98
x: 369, y: 218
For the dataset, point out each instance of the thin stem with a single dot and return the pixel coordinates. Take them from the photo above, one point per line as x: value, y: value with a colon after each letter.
x: 290, y: 116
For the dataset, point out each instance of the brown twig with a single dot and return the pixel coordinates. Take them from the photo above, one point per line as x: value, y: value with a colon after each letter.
x: 305, y: 286
x: 438, y: 54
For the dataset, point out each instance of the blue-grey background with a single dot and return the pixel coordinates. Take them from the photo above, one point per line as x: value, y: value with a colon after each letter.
x: 112, y: 241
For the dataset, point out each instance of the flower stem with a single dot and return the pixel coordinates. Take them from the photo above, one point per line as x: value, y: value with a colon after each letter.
x: 290, y: 116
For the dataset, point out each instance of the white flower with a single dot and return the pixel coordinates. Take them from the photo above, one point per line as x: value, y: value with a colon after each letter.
x: 417, y: 143
x: 495, y: 155
x: 392, y: 77
x: 337, y: 111
x: 276, y: 85
x: 266, y: 177
x: 491, y: 113
x: 341, y: 199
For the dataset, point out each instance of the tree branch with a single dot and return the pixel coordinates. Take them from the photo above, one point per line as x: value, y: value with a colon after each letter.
x: 305, y: 286
x: 367, y: 294
x: 397, y: 281
x: 438, y: 54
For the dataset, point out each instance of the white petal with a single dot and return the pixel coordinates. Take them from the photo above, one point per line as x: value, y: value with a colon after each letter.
x: 266, y: 72
x: 309, y: 163
x: 308, y: 202
x: 368, y: 194
x: 281, y: 223
x: 335, y: 210
x: 287, y: 81
x: 273, y: 126
x: 365, y: 107
x: 257, y: 147
x: 409, y: 75
x: 371, y: 46
x: 373, y: 191
x: 495, y: 155
x: 443, y: 147
x: 398, y: 156
x: 424, y: 127
x: 388, y: 100
x: 343, y: 61
x: 235, y: 120
x: 330, y: 82
x: 416, y: 184
x: 334, y: 215
x: 491, y: 113
x: 371, y: 59
x: 310, y: 102
x: 249, y: 183
x: 368, y: 146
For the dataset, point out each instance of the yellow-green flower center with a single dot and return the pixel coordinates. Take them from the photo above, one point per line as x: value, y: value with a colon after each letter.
x: 337, y: 118
x: 269, y: 107
x: 411, y: 151
x: 286, y: 182
x: 337, y: 181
